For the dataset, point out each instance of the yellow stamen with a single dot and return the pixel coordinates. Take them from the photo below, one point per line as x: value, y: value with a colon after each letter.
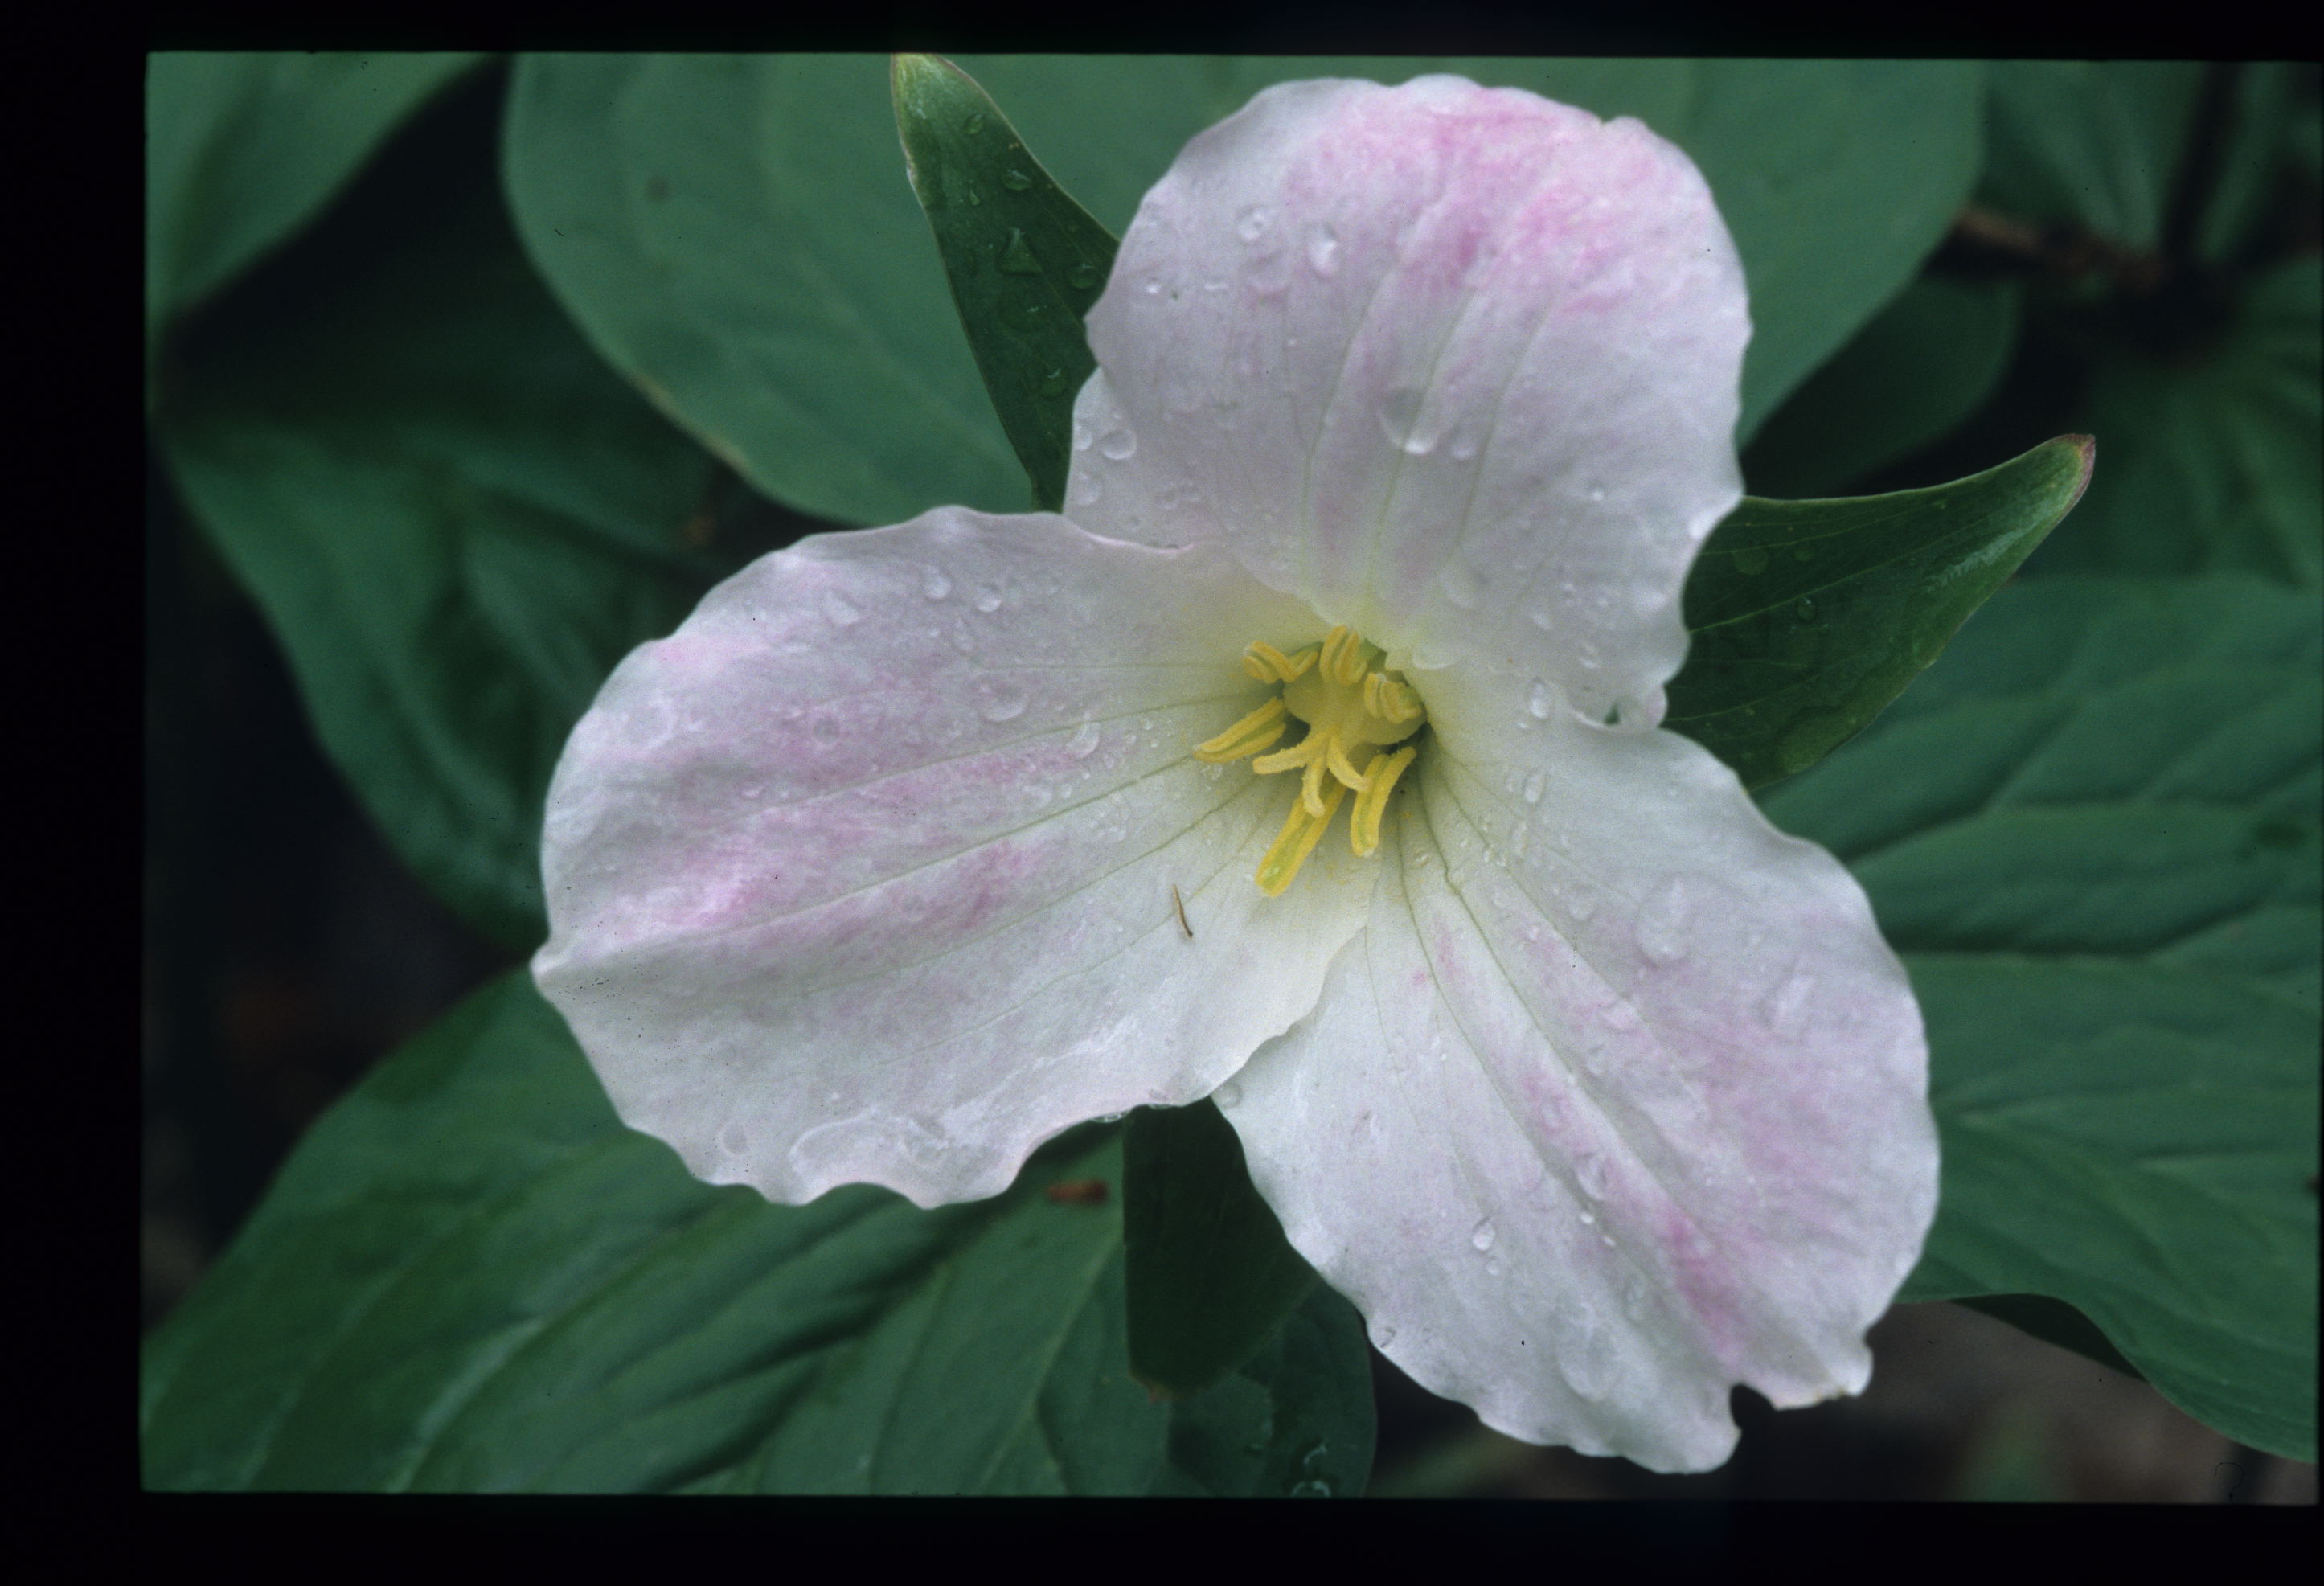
x: 1353, y: 709
x: 1364, y: 820
x: 1263, y: 661
x: 1254, y: 733
x: 1342, y: 660
x: 1301, y: 830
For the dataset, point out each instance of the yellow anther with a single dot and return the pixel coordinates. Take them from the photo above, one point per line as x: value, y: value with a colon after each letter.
x: 1263, y: 661
x: 1352, y: 709
x: 1254, y: 733
x: 1296, y: 842
x: 1343, y: 656
x: 1364, y: 820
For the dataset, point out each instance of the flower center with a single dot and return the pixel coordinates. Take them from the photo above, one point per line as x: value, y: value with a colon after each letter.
x: 1353, y: 707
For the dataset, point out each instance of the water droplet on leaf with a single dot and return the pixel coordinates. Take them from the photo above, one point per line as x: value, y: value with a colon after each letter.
x: 1751, y: 559
x: 1016, y: 181
x: 1017, y: 258
x: 1083, y: 275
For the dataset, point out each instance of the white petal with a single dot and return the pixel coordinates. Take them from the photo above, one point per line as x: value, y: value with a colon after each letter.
x: 864, y: 873
x: 1619, y: 1099
x: 1458, y: 365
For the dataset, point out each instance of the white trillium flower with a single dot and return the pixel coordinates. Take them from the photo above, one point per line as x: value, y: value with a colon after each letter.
x: 1592, y: 1091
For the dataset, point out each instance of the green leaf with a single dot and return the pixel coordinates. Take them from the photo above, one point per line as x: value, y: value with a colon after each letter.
x: 1211, y: 1275
x: 2092, y: 831
x: 1025, y: 262
x: 1910, y: 377
x: 2212, y: 463
x: 454, y: 516
x: 2088, y: 141
x: 1294, y: 1420
x: 738, y: 235
x: 1808, y: 617
x: 243, y: 150
x: 470, y: 1276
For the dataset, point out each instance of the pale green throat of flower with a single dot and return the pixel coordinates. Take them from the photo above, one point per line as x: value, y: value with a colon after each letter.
x: 1352, y: 706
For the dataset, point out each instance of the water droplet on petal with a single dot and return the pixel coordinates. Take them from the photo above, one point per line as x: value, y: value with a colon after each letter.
x: 1399, y: 411
x: 1088, y: 489
x: 1383, y: 1335
x: 1000, y: 700
x: 1782, y: 1007
x: 1661, y: 928
x: 1120, y: 445
x: 733, y: 1140
x: 1084, y: 739
x: 933, y: 583
x: 1227, y: 1096
x: 839, y: 610
x: 1542, y: 700
x: 1268, y: 273
x: 989, y: 599
x: 1463, y: 585
x: 1533, y: 786
x: 1589, y: 1173
x: 1481, y: 1236
x: 1324, y: 250
x: 1251, y: 222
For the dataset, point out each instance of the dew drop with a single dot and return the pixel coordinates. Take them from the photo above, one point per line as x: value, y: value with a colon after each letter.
x: 1017, y: 258
x: 1463, y: 585
x: 1464, y: 442
x: 933, y: 583
x: 1400, y: 412
x: 1751, y: 559
x: 1589, y: 1173
x: 1001, y: 701
x: 733, y: 1140
x: 1113, y: 1117
x: 839, y: 610
x: 1268, y: 273
x: 1588, y: 1218
x: 1542, y: 700
x: 1782, y: 1008
x: 1082, y: 437
x: 1088, y: 489
x: 973, y: 125
x: 1324, y: 250
x: 1227, y: 1096
x: 1118, y: 445
x: 989, y: 599
x: 1661, y: 928
x: 1482, y: 1237
x: 1016, y: 181
x: 1383, y: 1335
x: 1804, y: 609
x: 1533, y: 786
x: 1083, y: 741
x: 1052, y: 383
x: 1251, y: 222
x: 1083, y: 276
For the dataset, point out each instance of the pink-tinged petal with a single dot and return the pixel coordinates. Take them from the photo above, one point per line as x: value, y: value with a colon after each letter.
x: 1619, y: 1099
x: 1458, y: 365
x: 864, y: 873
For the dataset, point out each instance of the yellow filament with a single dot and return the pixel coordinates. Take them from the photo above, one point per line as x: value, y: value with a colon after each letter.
x: 1364, y: 820
x: 1301, y: 830
x: 1254, y: 733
